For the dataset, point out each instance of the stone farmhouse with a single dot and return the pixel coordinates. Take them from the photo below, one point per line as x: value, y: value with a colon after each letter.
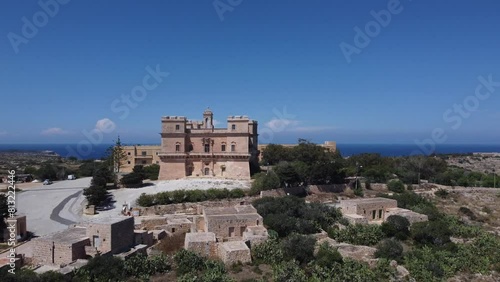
x: 376, y: 210
x: 107, y: 236
x: 216, y: 232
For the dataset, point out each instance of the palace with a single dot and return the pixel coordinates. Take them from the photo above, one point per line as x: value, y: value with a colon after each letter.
x: 197, y: 148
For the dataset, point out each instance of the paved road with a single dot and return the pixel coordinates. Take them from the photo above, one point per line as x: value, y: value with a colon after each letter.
x: 51, y: 208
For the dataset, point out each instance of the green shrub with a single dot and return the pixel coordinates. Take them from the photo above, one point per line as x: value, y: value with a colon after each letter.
x: 188, y: 261
x: 358, y: 234
x: 131, y: 180
x: 442, y: 193
x: 264, y: 181
x: 288, y: 271
x: 268, y: 252
x: 141, y: 266
x: 146, y: 200
x: 389, y: 249
x: 102, y: 268
x: 327, y: 256
x: 431, y: 233
x: 396, y: 186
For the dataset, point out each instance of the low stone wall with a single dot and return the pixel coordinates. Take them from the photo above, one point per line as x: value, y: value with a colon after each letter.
x: 332, y: 188
x: 191, y: 208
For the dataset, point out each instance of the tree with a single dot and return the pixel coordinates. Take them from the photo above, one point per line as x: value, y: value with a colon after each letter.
x: 299, y: 247
x: 273, y: 154
x: 396, y: 226
x: 264, y: 181
x: 47, y: 171
x: 117, y: 156
x: 95, y: 195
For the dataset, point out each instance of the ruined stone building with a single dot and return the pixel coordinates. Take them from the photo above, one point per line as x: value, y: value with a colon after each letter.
x: 197, y: 148
x: 215, y: 232
x: 83, y: 240
x: 230, y: 222
x: 369, y: 210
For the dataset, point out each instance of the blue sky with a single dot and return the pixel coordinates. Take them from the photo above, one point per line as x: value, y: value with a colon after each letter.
x: 279, y: 62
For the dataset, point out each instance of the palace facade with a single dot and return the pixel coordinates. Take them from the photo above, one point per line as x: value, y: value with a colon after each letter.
x: 197, y: 148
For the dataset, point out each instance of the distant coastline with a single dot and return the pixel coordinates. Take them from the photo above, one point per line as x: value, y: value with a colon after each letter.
x: 99, y: 151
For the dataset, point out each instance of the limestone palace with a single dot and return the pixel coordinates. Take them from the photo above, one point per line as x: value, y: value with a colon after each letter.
x: 198, y: 149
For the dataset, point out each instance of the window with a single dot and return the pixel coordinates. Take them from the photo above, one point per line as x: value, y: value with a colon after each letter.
x: 207, y: 148
x: 374, y: 213
x: 143, y: 153
x: 233, y: 147
x: 128, y: 153
x: 207, y: 171
x: 128, y: 162
x: 177, y: 147
x: 233, y: 127
x: 157, y: 153
x: 379, y: 213
x: 143, y: 162
x: 177, y: 127
x: 223, y: 147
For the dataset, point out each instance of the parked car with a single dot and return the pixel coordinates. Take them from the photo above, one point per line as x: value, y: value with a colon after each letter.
x: 71, y: 177
x: 47, y: 182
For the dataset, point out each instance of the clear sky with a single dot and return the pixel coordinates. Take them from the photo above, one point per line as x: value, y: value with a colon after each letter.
x: 279, y: 62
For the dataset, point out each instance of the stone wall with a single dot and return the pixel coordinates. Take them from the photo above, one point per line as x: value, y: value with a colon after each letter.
x: 202, y: 243
x: 122, y: 235
x: 143, y: 237
x: 229, y: 226
x: 114, y: 237
x: 172, y: 169
x: 191, y: 208
x: 63, y: 254
x: 234, y: 252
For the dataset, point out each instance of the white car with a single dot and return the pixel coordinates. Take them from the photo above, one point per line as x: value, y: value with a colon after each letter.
x: 47, y: 182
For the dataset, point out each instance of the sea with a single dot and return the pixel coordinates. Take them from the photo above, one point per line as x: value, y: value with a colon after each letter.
x: 99, y: 151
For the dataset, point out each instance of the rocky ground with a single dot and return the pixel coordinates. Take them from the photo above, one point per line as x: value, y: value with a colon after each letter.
x: 481, y: 162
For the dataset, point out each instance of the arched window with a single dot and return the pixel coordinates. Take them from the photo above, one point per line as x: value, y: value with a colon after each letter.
x: 177, y: 147
x: 233, y: 147
x: 223, y: 147
x: 207, y: 171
